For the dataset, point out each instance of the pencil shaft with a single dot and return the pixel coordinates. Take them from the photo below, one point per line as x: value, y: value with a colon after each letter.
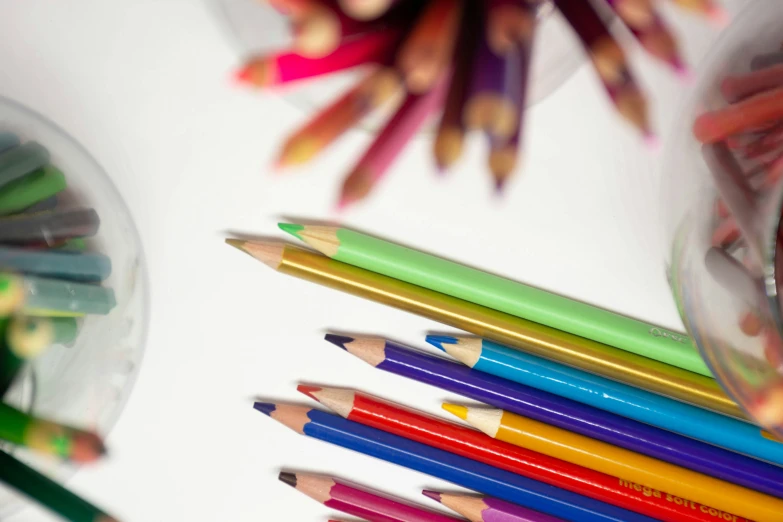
x: 8, y: 140
x: 47, y: 227
x: 37, y: 187
x: 19, y: 161
x: 525, y: 335
x: 56, y: 264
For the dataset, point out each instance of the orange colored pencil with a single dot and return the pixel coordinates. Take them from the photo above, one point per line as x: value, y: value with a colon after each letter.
x: 374, y: 90
x: 427, y: 51
x: 287, y: 67
x: 763, y: 108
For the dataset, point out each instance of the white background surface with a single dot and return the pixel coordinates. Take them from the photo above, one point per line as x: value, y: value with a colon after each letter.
x: 145, y: 85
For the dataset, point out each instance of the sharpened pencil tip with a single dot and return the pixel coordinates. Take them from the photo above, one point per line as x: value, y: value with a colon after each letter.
x: 339, y: 340
x: 456, y: 410
x: 265, y: 407
x: 287, y: 478
x: 242, y: 76
x: 439, y: 340
x: 239, y: 244
x: 291, y: 228
x: 309, y: 390
x: 434, y: 495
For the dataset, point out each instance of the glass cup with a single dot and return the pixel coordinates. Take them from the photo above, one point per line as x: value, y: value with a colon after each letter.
x: 87, y: 382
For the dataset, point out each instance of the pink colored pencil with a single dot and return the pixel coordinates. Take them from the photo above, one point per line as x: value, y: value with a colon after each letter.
x: 359, y: 502
x: 736, y: 88
x: 406, y: 122
x: 488, y: 509
x: 286, y: 67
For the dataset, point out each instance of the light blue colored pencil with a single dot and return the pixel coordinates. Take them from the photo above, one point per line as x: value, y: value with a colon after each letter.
x: 57, y: 264
x: 37, y: 296
x: 608, y: 395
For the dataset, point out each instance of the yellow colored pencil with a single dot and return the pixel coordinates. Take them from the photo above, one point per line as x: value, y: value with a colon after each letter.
x: 621, y: 463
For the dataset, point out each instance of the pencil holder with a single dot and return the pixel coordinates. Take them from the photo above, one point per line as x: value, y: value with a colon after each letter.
x: 723, y: 196
x: 256, y: 27
x: 83, y: 379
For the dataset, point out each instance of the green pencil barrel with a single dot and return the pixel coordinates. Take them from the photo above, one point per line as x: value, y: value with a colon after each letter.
x: 47, y: 492
x: 13, y: 424
x: 31, y: 189
x: 519, y: 300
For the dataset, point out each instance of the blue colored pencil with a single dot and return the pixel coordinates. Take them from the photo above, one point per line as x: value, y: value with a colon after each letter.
x: 441, y: 464
x: 86, y: 267
x: 634, y: 403
x: 8, y: 141
x: 563, y: 413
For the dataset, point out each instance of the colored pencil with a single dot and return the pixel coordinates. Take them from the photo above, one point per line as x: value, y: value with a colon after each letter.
x: 378, y: 87
x: 548, y: 408
x: 519, y: 333
x: 358, y: 501
x: 509, y: 24
x: 366, y: 9
x: 319, y: 28
x: 447, y: 146
x: 22, y: 160
x: 709, y: 8
x: 8, y: 140
x: 498, y: 293
x: 737, y: 88
x: 763, y: 61
x: 624, y: 464
x: 487, y: 509
x: 44, y: 205
x: 608, y: 60
x: 38, y: 296
x: 36, y: 188
x: 286, y: 67
x: 47, y: 227
x: 48, y: 438
x: 503, y: 158
x: 427, y: 51
x: 717, y: 125
x: 87, y: 267
x: 440, y: 464
x: 48, y: 493
x: 395, y: 135
x: 626, y: 401
x: 659, y: 42
x: 466, y: 442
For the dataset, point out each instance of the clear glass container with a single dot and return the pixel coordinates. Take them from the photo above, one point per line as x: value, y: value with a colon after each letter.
x: 722, y: 207
x: 255, y: 27
x: 87, y: 382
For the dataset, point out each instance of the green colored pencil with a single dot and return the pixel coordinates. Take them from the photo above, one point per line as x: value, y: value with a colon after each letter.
x: 29, y: 190
x: 49, y: 438
x: 502, y: 294
x: 38, y: 296
x: 47, y: 492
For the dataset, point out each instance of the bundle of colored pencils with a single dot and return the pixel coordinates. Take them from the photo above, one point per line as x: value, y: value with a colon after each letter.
x: 48, y: 281
x: 589, y: 416
x: 743, y: 150
x: 469, y: 59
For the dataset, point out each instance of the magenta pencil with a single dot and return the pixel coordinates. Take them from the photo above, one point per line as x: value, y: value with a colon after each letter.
x: 358, y: 501
x: 405, y: 123
x: 287, y: 67
x: 488, y: 509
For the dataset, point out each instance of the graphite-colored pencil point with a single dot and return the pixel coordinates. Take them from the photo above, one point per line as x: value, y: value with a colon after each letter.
x: 265, y: 407
x: 291, y: 228
x: 439, y: 340
x: 287, y: 478
x: 339, y: 340
x: 456, y: 410
x: 434, y: 495
x: 309, y: 390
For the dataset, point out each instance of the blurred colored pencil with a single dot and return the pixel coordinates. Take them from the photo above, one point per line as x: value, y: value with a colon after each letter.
x: 626, y: 401
x: 466, y: 442
x: 19, y: 161
x: 534, y: 338
x: 8, y: 140
x: 717, y: 125
x: 48, y: 493
x: 87, y: 267
x: 34, y: 189
x: 439, y: 464
x: 366, y: 9
x: 520, y: 300
x: 487, y: 509
x: 358, y: 501
x: 49, y: 438
x: 49, y: 227
x: 622, y: 463
x: 38, y: 296
x: 319, y: 28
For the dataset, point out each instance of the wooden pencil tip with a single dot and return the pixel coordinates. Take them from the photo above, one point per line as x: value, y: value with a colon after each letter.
x: 268, y: 252
x: 287, y: 478
x: 434, y: 495
x: 456, y: 410
x: 309, y: 390
x: 243, y: 76
x: 236, y: 243
x: 439, y: 340
x: 339, y: 340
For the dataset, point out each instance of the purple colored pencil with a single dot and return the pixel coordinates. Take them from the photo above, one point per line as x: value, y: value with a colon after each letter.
x: 358, y: 501
x: 488, y: 509
x: 551, y: 409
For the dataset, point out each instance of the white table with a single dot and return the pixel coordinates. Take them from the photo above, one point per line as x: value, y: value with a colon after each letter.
x: 145, y: 85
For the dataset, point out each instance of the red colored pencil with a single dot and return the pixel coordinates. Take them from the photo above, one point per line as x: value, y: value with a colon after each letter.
x: 736, y: 88
x: 757, y: 110
x: 460, y: 440
x: 287, y: 67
